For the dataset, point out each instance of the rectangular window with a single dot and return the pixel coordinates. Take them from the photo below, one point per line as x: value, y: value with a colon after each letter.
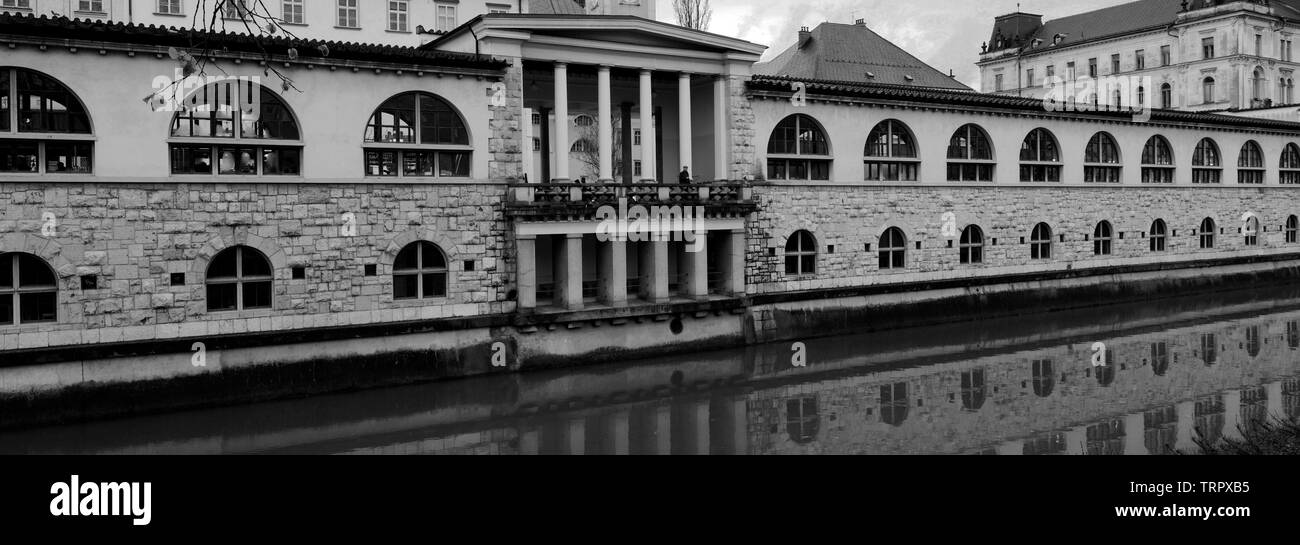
x: 1140, y: 60
x: 1207, y: 48
x: 169, y: 7
x: 1166, y: 57
x: 1070, y: 71
x: 234, y: 9
x: 235, y: 160
x: 25, y: 4
x: 1114, y: 63
x: 68, y: 157
x: 1029, y: 77
x: 446, y: 18
x: 636, y: 168
x: 347, y: 14
x: 636, y: 137
x: 19, y: 156
x: 292, y: 12
x: 1051, y: 71
x: 1092, y: 68
x: 417, y: 163
x: 96, y: 6
x: 397, y: 14
x: 1259, y: 45
x: 997, y: 83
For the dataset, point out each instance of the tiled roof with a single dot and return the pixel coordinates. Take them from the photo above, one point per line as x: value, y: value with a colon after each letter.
x: 1111, y: 21
x: 972, y: 99
x: 63, y: 28
x: 853, y: 53
x: 555, y: 7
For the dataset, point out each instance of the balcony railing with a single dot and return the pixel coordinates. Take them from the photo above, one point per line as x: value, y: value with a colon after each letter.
x: 582, y: 199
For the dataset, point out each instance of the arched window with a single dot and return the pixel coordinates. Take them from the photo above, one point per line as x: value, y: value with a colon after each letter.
x: 1207, y: 90
x: 798, y: 150
x: 1040, y: 242
x: 1209, y: 418
x: 1142, y: 96
x: 1044, y: 379
x: 1250, y: 164
x: 257, y: 131
x: 1205, y: 163
x: 1292, y: 229
x: 1209, y: 349
x: 1250, y: 230
x: 971, y: 245
x: 891, y: 153
x: 801, y: 419
x: 1158, y: 235
x: 584, y: 120
x: 1257, y: 85
x: 1102, y: 238
x: 1040, y: 157
x: 1101, y: 159
x: 417, y: 134
x: 1290, y: 165
x: 1166, y: 96
x: 801, y: 254
x: 583, y: 145
x: 1105, y: 373
x: 420, y: 272
x: 1157, y: 161
x: 1160, y: 358
x: 893, y: 249
x: 1252, y: 341
x: 42, y: 118
x: 973, y: 389
x: 893, y: 403
x: 238, y: 278
x: 29, y: 291
x: 970, y: 155
x: 1206, y: 233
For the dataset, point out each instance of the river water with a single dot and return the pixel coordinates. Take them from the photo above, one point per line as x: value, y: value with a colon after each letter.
x: 1148, y: 378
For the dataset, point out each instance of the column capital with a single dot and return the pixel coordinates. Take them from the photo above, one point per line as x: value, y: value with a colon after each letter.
x: 573, y: 235
x: 604, y: 67
x: 646, y: 71
x: 560, y: 64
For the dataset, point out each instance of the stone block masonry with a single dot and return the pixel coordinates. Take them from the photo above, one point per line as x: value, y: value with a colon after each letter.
x: 135, y: 239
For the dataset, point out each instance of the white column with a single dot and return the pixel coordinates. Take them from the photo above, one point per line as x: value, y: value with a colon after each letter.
x: 647, y: 109
x: 604, y: 121
x: 561, y: 143
x: 720, y: 128
x: 684, y: 140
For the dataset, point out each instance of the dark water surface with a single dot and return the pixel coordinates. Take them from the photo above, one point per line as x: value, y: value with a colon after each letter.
x: 1174, y: 370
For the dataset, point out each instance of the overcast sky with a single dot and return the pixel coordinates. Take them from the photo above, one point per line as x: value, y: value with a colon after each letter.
x: 944, y: 33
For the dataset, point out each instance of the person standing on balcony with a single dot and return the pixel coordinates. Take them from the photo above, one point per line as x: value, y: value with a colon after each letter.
x: 685, y: 176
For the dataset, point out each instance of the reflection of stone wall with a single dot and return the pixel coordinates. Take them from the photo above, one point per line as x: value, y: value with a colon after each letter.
x: 851, y: 418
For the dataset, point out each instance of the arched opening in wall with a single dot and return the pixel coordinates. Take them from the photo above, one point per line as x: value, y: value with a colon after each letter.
x: 420, y: 272
x: 29, y: 290
x: 1253, y: 343
x: 1250, y: 231
x: 1206, y: 163
x: 1040, y: 157
x: 238, y: 278
x: 798, y: 150
x: 1209, y: 349
x: 257, y: 131
x: 1257, y: 83
x: 1157, y: 161
x: 1207, y: 91
x: 1292, y: 229
x: 1250, y: 164
x: 1158, y: 237
x: 1043, y: 378
x: 1160, y: 429
x: 1040, y: 242
x: 974, y: 389
x: 893, y: 249
x: 417, y: 134
x: 970, y: 155
x: 971, y: 245
x: 1101, y: 159
x: 894, y: 403
x: 44, y: 127
x: 1166, y: 96
x: 891, y: 153
x: 1289, y: 165
x: 801, y: 254
x: 1160, y: 358
x: 1102, y: 238
x: 802, y: 423
x: 1206, y: 233
x: 1209, y: 413
x: 1105, y: 373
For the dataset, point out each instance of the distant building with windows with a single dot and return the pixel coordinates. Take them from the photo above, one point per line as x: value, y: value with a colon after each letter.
x: 1200, y: 55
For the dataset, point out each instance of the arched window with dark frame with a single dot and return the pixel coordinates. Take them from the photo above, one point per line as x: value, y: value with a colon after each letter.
x: 1043, y: 378
x: 891, y: 153
x: 798, y: 150
x: 894, y: 403
x: 1206, y: 233
x: 1289, y: 165
x: 1160, y: 358
x: 801, y: 254
x: 1250, y: 164
x: 417, y: 134
x: 29, y: 290
x: 1157, y: 161
x: 971, y: 245
x: 970, y: 155
x: 1158, y: 236
x: 238, y: 278
x: 1292, y: 229
x: 1101, y: 159
x: 1040, y: 157
x: 1250, y: 231
x: 256, y: 129
x: 420, y: 272
x: 1207, y: 168
x: 974, y: 389
x: 1040, y: 242
x: 1102, y: 238
x: 1207, y: 91
x: 44, y: 127
x: 1166, y: 96
x: 893, y: 249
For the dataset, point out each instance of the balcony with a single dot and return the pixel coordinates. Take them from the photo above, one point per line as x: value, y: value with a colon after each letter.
x: 572, y: 201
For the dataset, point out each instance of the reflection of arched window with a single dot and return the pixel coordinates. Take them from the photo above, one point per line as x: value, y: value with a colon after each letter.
x: 417, y: 134
x: 801, y: 254
x: 1101, y: 159
x: 29, y: 291
x: 891, y: 140
x: 801, y: 419
x: 1292, y: 229
x: 1250, y: 230
x: 1044, y: 380
x: 249, y: 120
x: 1106, y: 372
x: 238, y: 278
x: 420, y: 272
x: 1206, y: 163
x: 971, y: 245
x: 1291, y: 397
x: 893, y: 403
x: 1209, y: 413
x: 1209, y: 349
x: 1206, y: 233
x: 1250, y: 164
x: 1045, y: 444
x: 973, y: 389
x: 970, y: 155
x: 1289, y: 165
x: 1040, y: 242
x: 1160, y: 430
x: 1040, y: 157
x: 1102, y: 238
x: 893, y: 249
x: 798, y: 150
x: 1160, y: 358
x: 1158, y: 235
x: 1252, y: 341
x: 40, y: 117
x: 1157, y: 161
x: 1106, y: 438
x: 1293, y: 335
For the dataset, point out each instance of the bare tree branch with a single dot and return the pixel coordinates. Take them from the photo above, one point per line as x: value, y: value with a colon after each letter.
x: 694, y: 14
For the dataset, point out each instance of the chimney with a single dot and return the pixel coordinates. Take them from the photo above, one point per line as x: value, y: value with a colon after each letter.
x: 804, y: 36
x: 861, y: 22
